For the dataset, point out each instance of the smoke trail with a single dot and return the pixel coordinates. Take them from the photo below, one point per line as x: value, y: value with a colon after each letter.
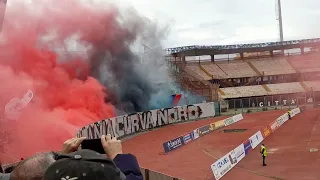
x: 62, y: 102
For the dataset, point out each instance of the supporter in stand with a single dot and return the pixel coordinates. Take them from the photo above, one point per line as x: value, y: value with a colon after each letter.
x: 114, y: 164
x: 34, y: 167
x: 89, y: 165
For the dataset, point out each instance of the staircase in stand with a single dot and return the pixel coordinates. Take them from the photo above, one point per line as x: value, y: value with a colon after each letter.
x: 255, y: 69
x: 266, y: 88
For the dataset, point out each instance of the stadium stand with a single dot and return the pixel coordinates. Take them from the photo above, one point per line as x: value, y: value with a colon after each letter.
x: 273, y: 67
x: 315, y: 85
x: 285, y: 88
x: 257, y: 70
x: 226, y: 70
x: 306, y: 63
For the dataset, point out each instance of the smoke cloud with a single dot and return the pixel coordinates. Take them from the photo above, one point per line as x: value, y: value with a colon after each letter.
x: 79, y: 61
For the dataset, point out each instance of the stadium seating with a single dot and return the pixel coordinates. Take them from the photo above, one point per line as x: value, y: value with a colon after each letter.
x: 243, y: 91
x: 234, y: 69
x: 196, y: 69
x: 214, y: 70
x: 275, y: 89
x: 314, y: 84
x: 273, y: 66
x: 285, y: 88
x: 308, y: 63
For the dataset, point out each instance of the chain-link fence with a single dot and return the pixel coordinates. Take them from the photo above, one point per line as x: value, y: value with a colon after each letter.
x: 266, y: 103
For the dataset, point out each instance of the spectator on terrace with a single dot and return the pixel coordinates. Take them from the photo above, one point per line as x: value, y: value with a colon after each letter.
x: 34, y: 167
x: 89, y: 165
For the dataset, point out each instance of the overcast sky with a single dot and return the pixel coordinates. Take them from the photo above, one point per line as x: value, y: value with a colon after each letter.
x: 211, y: 22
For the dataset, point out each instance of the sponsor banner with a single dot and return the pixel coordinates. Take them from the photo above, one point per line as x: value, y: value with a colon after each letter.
x: 266, y: 131
x: 201, y: 131
x: 295, y: 111
x: 216, y: 125
x: 173, y: 144
x: 129, y: 124
x: 195, y: 134
x: 247, y: 146
x: 233, y: 119
x: 237, y: 118
x: 228, y: 121
x: 240, y: 152
x: 256, y: 139
x: 204, y: 130
x: 188, y: 137
x: 274, y: 125
x: 224, y: 165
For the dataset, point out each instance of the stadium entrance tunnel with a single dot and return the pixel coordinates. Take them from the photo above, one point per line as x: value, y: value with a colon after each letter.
x: 234, y: 130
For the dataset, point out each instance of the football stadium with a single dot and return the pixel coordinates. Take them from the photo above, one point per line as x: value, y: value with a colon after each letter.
x: 200, y: 112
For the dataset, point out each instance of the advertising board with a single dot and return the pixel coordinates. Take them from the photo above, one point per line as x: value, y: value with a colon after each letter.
x: 266, y: 131
x: 256, y: 139
x: 204, y: 130
x: 228, y: 121
x: 188, y: 137
x: 239, y: 152
x: 173, y: 144
x: 247, y: 146
x: 224, y: 165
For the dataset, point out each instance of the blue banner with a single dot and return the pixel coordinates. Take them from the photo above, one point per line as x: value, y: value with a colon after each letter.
x: 247, y: 147
x: 188, y: 137
x: 173, y: 144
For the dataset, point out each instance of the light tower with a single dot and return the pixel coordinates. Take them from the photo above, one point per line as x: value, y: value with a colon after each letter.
x: 279, y: 19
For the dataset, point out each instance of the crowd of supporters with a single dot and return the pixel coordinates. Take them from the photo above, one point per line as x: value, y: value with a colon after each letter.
x: 74, y: 163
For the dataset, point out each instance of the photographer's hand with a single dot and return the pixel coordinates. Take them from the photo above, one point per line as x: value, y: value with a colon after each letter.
x: 112, y: 147
x: 71, y: 145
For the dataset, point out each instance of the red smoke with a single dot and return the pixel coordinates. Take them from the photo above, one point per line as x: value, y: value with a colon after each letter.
x: 62, y: 103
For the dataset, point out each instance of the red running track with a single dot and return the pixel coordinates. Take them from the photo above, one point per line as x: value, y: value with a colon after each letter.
x: 192, y: 162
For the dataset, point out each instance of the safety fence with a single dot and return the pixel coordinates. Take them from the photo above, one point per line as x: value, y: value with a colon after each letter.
x: 223, y: 165
x: 267, y: 103
x: 183, y: 140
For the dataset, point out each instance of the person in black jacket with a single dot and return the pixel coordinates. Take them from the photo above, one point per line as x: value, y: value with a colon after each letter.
x: 90, y: 165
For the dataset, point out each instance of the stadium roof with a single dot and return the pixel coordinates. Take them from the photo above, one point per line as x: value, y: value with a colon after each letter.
x: 198, y: 50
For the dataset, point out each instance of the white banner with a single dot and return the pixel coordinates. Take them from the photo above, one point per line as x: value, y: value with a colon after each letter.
x: 224, y: 165
x: 237, y: 118
x: 256, y: 139
x: 240, y: 152
x: 137, y: 122
x: 295, y: 112
x: 233, y: 119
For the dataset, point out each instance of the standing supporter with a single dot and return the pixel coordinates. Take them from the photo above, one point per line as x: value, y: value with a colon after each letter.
x: 34, y: 167
x: 89, y: 165
x: 263, y: 152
